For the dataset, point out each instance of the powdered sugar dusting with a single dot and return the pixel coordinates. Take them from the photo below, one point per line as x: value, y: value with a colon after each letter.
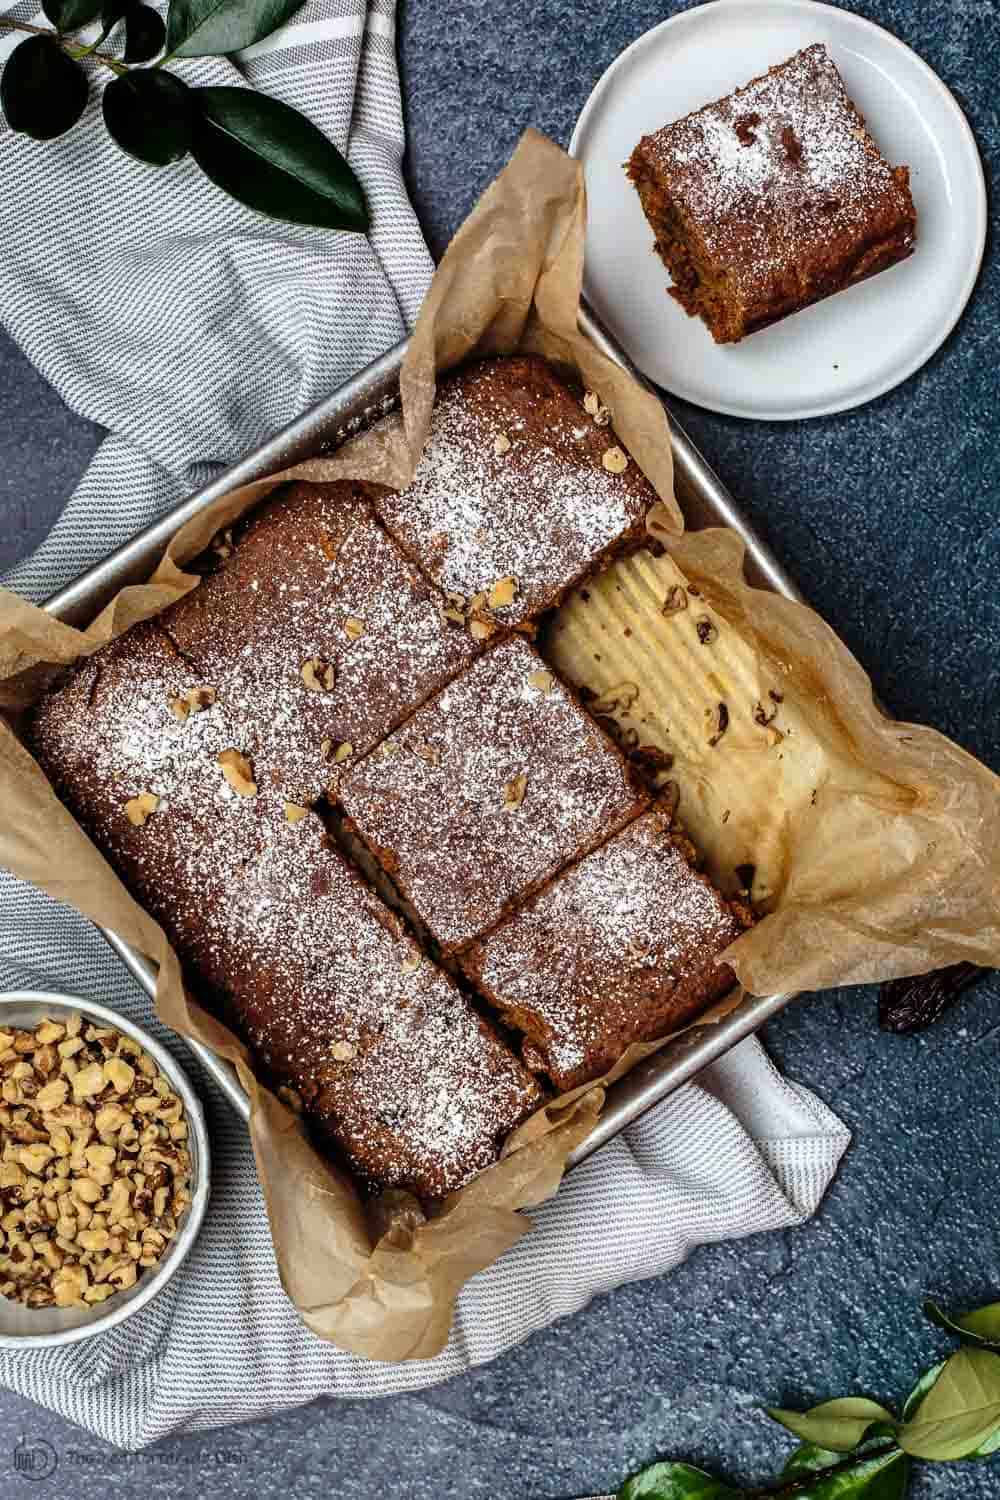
x: 542, y: 510
x: 438, y: 809
x: 273, y: 920
x: 306, y: 571
x: 427, y: 1092
x: 615, y: 950
x: 780, y: 166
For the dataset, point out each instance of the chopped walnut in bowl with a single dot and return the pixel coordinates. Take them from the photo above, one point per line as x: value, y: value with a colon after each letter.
x: 103, y: 1168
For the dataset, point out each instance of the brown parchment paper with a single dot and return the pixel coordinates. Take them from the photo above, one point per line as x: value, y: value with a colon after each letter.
x: 876, y: 846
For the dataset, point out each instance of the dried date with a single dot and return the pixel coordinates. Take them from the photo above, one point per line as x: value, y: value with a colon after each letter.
x: 906, y: 1006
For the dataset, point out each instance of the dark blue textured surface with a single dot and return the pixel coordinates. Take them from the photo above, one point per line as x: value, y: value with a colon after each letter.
x: 889, y: 517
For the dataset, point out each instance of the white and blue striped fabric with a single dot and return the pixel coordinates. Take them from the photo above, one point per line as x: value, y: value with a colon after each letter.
x: 192, y: 329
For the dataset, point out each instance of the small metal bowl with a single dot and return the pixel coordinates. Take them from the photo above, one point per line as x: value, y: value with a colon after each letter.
x: 48, y: 1327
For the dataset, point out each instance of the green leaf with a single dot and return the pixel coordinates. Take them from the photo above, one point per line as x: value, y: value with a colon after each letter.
x: 840, y: 1424
x: 883, y: 1477
x: 920, y: 1390
x: 809, y: 1458
x: 112, y: 12
x: 668, y: 1481
x: 986, y: 1449
x: 213, y: 28
x: 273, y: 159
x: 144, y: 33
x: 960, y: 1412
x: 980, y: 1327
x: 148, y: 114
x: 70, y: 15
x: 43, y: 92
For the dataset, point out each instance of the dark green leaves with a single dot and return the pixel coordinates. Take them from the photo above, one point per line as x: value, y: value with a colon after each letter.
x: 669, y: 1481
x: 43, y: 92
x: 260, y: 151
x: 980, y: 1327
x: 145, y: 33
x: 112, y: 12
x: 809, y: 1458
x: 213, y: 28
x: 839, y: 1425
x: 879, y: 1476
x: 70, y: 15
x: 148, y: 113
x: 274, y: 160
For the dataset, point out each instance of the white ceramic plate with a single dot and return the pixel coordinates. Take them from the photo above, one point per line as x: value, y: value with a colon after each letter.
x: 838, y: 353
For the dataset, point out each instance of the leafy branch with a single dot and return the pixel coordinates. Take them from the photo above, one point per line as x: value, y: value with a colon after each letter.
x: 854, y: 1449
x: 257, y: 149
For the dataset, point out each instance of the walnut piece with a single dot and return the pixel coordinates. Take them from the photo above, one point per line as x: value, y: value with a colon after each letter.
x: 501, y: 444
x: 543, y: 681
x: 502, y: 593
x: 318, y: 675
x: 119, y: 1074
x: 238, y: 772
x: 620, y: 697
x: 138, y: 809
x: 615, y: 460
x: 354, y: 628
x: 295, y: 812
x: 343, y: 1051
x: 192, y: 702
x: 595, y: 408
x: 91, y: 1192
x: 513, y: 792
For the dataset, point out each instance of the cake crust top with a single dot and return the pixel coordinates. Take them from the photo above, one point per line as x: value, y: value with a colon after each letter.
x: 512, y: 485
x: 491, y: 787
x: 780, y: 172
x: 603, y: 947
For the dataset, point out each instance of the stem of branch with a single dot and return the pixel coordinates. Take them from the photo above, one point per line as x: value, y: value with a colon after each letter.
x: 70, y: 48
x: 792, y: 1487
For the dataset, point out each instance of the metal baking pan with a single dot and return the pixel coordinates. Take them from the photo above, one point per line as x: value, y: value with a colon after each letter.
x: 704, y: 500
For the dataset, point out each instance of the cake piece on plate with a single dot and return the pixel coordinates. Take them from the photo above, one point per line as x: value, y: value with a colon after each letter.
x: 519, y: 493
x: 489, y: 790
x: 323, y: 631
x: 622, y: 947
x: 772, y: 198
